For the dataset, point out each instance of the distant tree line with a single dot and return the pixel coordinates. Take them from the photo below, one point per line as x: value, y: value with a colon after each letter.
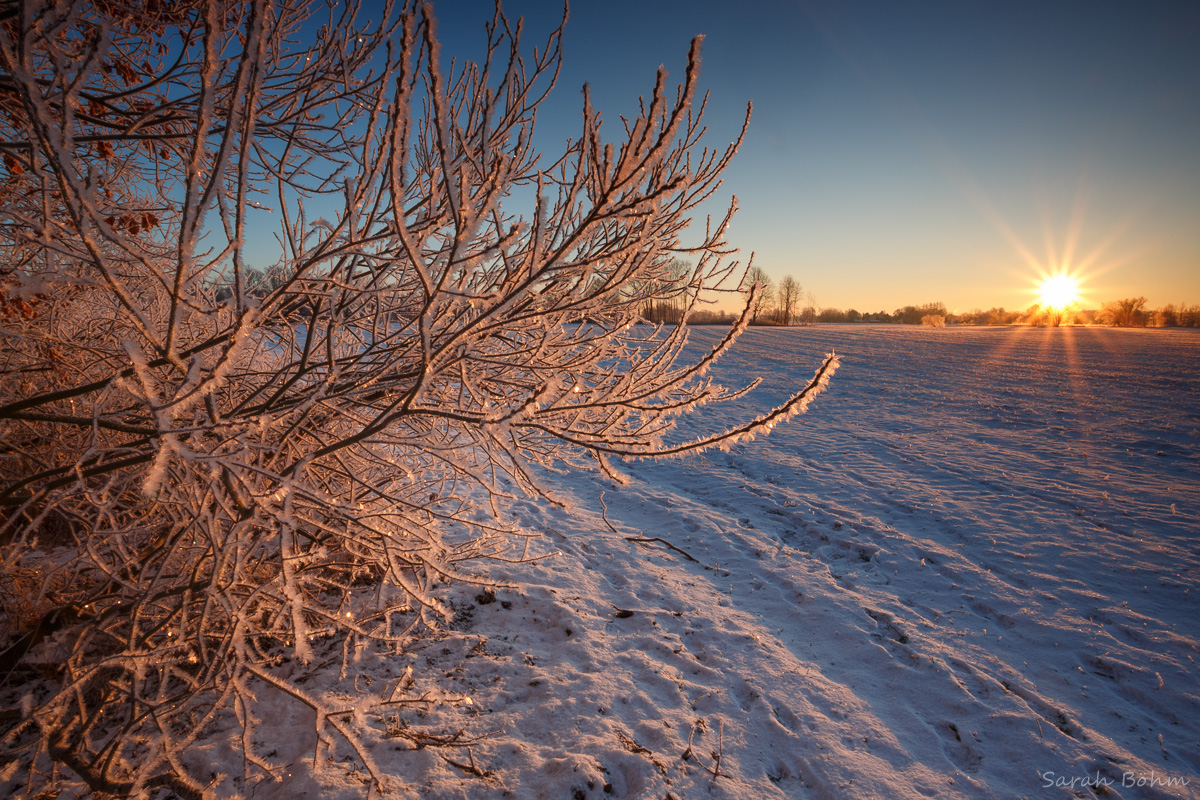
x: 669, y: 298
x: 785, y: 303
x: 1131, y: 312
x: 1126, y: 312
x: 934, y: 314
x: 1173, y: 316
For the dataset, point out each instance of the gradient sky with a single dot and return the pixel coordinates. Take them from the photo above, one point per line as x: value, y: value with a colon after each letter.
x: 902, y: 153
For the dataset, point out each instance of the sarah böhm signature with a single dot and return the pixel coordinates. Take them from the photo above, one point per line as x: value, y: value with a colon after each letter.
x: 1127, y: 780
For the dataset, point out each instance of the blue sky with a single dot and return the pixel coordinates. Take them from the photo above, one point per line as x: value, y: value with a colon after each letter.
x: 912, y: 152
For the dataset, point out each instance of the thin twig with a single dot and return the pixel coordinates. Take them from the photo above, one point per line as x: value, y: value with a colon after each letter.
x: 662, y: 541
x: 641, y: 539
x: 717, y: 755
x: 470, y: 769
x: 719, y: 752
x: 604, y: 515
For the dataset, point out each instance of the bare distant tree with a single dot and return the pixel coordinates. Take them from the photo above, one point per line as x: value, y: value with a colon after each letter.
x: 669, y: 300
x: 1171, y: 315
x: 789, y: 296
x: 809, y: 313
x: 205, y: 473
x: 1165, y: 317
x: 1051, y: 316
x: 1125, y: 313
x: 758, y: 277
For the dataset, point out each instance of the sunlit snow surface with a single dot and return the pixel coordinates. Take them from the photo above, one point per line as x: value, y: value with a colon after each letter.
x: 965, y: 572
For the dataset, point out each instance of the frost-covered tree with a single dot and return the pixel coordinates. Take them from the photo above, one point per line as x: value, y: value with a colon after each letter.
x: 207, y: 470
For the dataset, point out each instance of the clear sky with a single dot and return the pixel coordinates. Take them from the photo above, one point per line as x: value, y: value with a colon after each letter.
x: 902, y: 153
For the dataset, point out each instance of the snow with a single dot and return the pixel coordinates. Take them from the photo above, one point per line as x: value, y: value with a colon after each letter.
x: 965, y: 572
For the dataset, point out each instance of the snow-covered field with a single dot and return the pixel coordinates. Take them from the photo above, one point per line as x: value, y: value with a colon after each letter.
x: 966, y: 572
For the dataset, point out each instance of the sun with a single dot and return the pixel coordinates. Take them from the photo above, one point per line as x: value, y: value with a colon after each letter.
x: 1058, y: 291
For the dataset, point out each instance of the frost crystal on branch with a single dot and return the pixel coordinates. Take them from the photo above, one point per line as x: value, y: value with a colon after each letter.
x: 206, y: 467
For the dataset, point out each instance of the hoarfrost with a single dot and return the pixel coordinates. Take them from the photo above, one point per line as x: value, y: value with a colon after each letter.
x: 209, y: 466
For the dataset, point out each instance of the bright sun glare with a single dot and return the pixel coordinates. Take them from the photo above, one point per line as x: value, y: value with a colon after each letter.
x: 1058, y: 291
